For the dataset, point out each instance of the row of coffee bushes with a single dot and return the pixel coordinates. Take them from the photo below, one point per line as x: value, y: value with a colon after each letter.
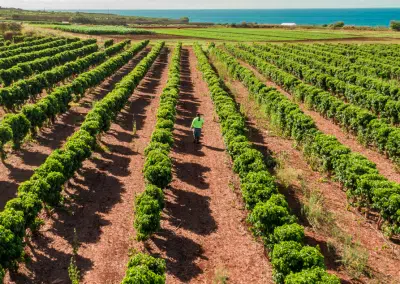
x: 32, y: 48
x: 15, y: 127
x: 8, y: 62
x: 157, y: 168
x: 343, y: 72
x: 359, y: 53
x: 25, y: 69
x: 46, y: 184
x: 293, y: 262
x: 361, y: 65
x: 108, y: 43
x: 365, y: 186
x: 370, y: 129
x: 28, y: 41
x: 379, y: 98
x: 16, y: 95
x: 143, y: 269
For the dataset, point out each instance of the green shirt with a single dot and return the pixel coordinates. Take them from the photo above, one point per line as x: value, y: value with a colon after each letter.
x: 197, y: 123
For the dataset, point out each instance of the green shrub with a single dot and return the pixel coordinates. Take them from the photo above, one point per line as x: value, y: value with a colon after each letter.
x: 250, y: 160
x: 147, y: 216
x: 145, y: 269
x: 288, y: 232
x: 163, y: 136
x: 164, y: 148
x: 266, y: 216
x: 290, y: 256
x: 312, y: 276
x: 257, y: 187
x: 395, y: 25
x: 158, y: 168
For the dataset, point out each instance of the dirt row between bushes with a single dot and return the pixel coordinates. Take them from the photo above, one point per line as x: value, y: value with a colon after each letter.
x: 47, y: 258
x: 385, y: 166
x: 204, y: 237
x: 20, y: 164
x: 295, y: 175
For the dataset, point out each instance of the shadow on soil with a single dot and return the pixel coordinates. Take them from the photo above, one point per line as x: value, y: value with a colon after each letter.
x: 256, y: 137
x: 90, y: 194
x: 186, y: 209
x: 54, y: 136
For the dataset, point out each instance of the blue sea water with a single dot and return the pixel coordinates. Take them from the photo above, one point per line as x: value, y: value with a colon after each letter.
x: 359, y: 17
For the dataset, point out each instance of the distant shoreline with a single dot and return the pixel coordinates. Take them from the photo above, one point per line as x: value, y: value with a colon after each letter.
x: 351, y: 16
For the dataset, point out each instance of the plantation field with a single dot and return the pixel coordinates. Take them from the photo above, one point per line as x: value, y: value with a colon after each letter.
x: 295, y: 178
x: 244, y: 34
x: 98, y: 29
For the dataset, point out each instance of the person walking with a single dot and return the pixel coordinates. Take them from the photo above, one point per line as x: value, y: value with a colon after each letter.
x: 197, y: 124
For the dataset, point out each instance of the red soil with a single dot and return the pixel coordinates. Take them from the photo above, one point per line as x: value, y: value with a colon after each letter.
x: 51, y: 249
x: 203, y: 234
x: 385, y: 166
x: 20, y: 164
x: 384, y: 257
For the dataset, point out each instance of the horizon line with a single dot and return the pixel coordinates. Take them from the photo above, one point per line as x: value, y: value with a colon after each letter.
x: 297, y: 8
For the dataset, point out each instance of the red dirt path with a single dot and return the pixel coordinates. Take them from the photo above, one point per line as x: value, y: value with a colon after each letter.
x: 382, y: 260
x: 203, y: 232
x: 100, y: 199
x: 383, y: 164
x: 20, y: 164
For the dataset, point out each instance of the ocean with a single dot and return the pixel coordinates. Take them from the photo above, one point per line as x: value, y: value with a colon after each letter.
x: 358, y: 17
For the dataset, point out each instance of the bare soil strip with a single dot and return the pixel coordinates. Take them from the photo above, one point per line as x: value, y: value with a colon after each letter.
x: 100, y: 198
x: 384, y: 257
x: 20, y: 164
x: 204, y: 236
x: 383, y: 164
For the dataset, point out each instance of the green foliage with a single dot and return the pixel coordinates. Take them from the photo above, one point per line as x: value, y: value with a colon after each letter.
x: 257, y: 187
x: 290, y: 256
x: 144, y: 269
x: 325, y: 153
x: 98, y: 30
x: 337, y: 25
x: 395, y: 25
x: 288, y: 232
x: 57, y: 102
x: 157, y: 169
x: 163, y: 136
x: 147, y: 216
x: 266, y: 216
x: 108, y: 43
x: 269, y: 216
x: 250, y: 160
x: 47, y: 182
x: 312, y: 276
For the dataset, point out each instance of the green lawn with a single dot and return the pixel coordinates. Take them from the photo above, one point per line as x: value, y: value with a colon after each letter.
x: 244, y: 34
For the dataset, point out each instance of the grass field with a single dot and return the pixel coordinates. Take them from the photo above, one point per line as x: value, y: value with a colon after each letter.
x: 244, y: 34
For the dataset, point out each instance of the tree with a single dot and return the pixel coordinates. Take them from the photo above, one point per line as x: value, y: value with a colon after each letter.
x: 337, y: 25
x: 185, y: 19
x: 395, y: 25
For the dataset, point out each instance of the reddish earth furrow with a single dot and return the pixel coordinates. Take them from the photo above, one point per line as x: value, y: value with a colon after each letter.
x: 20, y: 164
x: 383, y: 164
x: 383, y: 261
x: 94, y: 194
x: 203, y: 234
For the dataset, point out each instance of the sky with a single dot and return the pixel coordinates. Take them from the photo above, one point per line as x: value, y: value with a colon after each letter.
x: 195, y: 4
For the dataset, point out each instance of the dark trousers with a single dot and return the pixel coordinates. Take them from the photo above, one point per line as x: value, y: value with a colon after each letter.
x: 196, y: 134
